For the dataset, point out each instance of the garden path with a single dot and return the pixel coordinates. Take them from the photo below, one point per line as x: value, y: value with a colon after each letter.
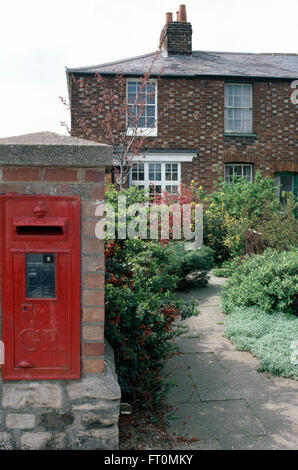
x: 220, y: 398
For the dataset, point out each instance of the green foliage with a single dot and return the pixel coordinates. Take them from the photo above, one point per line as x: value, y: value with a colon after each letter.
x: 227, y: 268
x: 235, y: 209
x: 280, y: 229
x: 189, y: 266
x: 267, y: 335
x: 269, y: 281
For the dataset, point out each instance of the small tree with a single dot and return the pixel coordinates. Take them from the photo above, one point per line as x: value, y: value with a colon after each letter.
x: 118, y: 119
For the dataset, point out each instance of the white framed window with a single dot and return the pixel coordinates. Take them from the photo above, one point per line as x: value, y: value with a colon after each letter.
x: 141, y: 107
x: 238, y: 108
x: 156, y: 177
x: 238, y: 170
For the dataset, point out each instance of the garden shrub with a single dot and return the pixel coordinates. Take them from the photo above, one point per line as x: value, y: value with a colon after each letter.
x: 270, y: 336
x: 227, y: 267
x: 269, y: 281
x: 190, y: 266
x: 234, y: 211
x: 280, y: 229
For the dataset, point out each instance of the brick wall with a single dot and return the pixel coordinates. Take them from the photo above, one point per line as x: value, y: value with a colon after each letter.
x: 193, y: 118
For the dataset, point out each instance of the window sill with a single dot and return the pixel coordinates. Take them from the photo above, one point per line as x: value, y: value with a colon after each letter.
x: 142, y: 131
x: 239, y: 134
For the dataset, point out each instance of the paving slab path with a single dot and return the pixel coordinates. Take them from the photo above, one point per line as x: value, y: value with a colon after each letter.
x: 220, y: 398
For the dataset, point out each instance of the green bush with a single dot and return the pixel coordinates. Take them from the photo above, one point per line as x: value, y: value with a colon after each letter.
x: 189, y: 266
x: 233, y: 212
x: 269, y: 336
x: 268, y: 281
x: 227, y: 268
x: 280, y: 229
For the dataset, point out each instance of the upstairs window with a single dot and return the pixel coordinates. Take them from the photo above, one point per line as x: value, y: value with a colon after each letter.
x: 237, y: 170
x: 141, y: 107
x: 238, y: 108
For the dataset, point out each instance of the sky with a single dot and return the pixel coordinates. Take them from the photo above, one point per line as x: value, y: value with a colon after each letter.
x: 38, y: 39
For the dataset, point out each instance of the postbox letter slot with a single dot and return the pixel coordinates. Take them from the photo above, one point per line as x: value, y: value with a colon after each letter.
x: 39, y: 230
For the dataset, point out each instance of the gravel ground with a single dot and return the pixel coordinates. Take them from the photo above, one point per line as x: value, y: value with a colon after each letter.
x: 142, y: 430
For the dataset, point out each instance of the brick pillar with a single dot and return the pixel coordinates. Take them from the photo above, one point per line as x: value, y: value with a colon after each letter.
x: 50, y: 164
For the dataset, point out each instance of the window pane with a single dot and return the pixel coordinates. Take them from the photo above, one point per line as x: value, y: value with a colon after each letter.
x: 150, y: 111
x: 141, y: 122
x: 150, y: 122
x: 131, y: 87
x: 287, y: 182
x: 131, y: 97
x: 237, y: 170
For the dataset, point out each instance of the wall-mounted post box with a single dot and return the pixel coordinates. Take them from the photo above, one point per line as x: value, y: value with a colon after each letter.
x: 40, y: 275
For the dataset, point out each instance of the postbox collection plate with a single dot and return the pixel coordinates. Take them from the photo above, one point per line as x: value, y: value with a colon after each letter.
x: 40, y: 279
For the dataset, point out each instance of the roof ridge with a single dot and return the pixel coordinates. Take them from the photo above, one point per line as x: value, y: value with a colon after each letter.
x: 249, y: 53
x: 110, y: 63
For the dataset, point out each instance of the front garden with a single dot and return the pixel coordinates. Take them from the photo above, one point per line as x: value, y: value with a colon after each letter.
x: 251, y: 236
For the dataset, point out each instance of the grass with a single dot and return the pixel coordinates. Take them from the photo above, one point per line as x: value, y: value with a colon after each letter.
x: 268, y: 336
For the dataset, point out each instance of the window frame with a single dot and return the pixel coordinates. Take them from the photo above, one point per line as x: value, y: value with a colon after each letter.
x: 142, y: 131
x: 278, y: 174
x: 228, y: 179
x: 226, y: 107
x: 163, y: 182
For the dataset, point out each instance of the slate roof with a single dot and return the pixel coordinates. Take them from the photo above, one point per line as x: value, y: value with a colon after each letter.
x: 202, y: 63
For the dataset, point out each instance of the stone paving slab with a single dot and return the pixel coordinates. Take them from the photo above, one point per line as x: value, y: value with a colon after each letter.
x: 205, y: 343
x: 203, y: 373
x: 278, y: 414
x: 268, y: 442
x: 215, y: 419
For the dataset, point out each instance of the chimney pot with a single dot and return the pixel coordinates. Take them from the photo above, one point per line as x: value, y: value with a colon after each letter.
x: 177, y: 16
x: 169, y: 17
x: 182, y: 13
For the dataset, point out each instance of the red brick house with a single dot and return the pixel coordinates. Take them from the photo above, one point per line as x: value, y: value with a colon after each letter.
x: 209, y: 109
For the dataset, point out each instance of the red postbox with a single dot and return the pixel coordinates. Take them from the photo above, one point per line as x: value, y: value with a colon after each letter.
x: 40, y: 279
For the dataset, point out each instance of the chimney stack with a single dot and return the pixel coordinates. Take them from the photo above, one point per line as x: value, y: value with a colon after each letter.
x: 169, y: 17
x: 175, y: 38
x: 182, y: 13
